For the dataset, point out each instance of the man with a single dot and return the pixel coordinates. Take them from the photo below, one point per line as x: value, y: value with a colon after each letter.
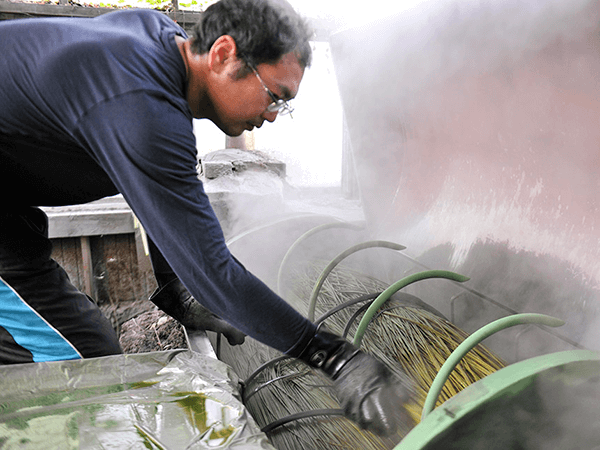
x: 95, y: 107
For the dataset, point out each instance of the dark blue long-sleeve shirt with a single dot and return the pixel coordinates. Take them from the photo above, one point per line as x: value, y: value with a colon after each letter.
x: 95, y: 107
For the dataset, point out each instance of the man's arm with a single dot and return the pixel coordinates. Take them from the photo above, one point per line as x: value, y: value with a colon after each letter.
x: 148, y: 149
x: 172, y: 297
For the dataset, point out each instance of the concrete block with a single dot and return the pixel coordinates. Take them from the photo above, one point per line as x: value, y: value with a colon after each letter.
x: 228, y: 161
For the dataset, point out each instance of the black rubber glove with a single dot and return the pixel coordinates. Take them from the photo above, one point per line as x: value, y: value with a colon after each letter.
x: 174, y: 299
x: 369, y: 393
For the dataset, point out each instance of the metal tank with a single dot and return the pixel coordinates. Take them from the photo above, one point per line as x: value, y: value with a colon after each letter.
x: 475, y: 136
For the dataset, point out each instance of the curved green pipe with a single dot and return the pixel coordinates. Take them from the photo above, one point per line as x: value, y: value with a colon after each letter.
x: 385, y: 295
x: 334, y: 262
x: 473, y: 340
x: 305, y: 236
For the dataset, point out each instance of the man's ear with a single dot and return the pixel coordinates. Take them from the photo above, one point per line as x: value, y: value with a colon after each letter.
x: 222, y: 53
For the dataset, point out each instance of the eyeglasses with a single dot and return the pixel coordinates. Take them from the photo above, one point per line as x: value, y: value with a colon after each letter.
x: 279, y: 105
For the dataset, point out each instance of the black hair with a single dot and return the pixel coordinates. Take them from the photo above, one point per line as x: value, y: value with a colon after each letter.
x: 263, y: 30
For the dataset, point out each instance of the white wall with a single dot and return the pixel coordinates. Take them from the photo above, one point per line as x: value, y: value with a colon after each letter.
x: 310, y: 143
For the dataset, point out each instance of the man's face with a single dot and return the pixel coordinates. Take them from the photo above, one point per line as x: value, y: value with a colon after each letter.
x: 241, y: 104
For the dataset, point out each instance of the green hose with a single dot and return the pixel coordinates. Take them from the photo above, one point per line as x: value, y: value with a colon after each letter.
x: 472, y: 341
x: 305, y: 236
x: 385, y: 295
x: 334, y: 262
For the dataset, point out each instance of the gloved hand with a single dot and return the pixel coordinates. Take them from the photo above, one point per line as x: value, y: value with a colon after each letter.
x: 369, y: 393
x: 174, y: 299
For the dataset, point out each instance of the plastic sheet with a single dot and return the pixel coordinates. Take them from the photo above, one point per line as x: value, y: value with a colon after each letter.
x: 161, y: 400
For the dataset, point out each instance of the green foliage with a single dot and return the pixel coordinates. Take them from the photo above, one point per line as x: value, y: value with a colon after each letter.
x: 189, y: 5
x: 156, y: 2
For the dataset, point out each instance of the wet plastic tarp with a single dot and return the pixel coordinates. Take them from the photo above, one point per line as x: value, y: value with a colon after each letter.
x: 159, y: 400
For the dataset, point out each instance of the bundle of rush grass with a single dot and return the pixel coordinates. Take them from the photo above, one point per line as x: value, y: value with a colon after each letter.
x: 420, y: 342
x: 407, y: 335
x: 281, y: 388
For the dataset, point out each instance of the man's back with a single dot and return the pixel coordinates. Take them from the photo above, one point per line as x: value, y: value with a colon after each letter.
x: 53, y: 73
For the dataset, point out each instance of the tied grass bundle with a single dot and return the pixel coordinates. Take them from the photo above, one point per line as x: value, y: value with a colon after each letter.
x: 420, y: 342
x: 289, y: 387
x: 407, y: 339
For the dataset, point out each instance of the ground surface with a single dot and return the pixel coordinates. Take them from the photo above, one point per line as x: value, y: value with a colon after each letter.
x: 151, y: 331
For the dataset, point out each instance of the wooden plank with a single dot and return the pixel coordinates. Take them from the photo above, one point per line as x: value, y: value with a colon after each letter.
x: 67, y: 253
x: 57, y: 251
x: 142, y: 275
x: 45, y: 10
x: 124, y: 283
x: 100, y: 272
x: 113, y: 270
x: 87, y: 273
x: 141, y: 249
x: 89, y: 223
x: 12, y: 10
x: 126, y: 255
